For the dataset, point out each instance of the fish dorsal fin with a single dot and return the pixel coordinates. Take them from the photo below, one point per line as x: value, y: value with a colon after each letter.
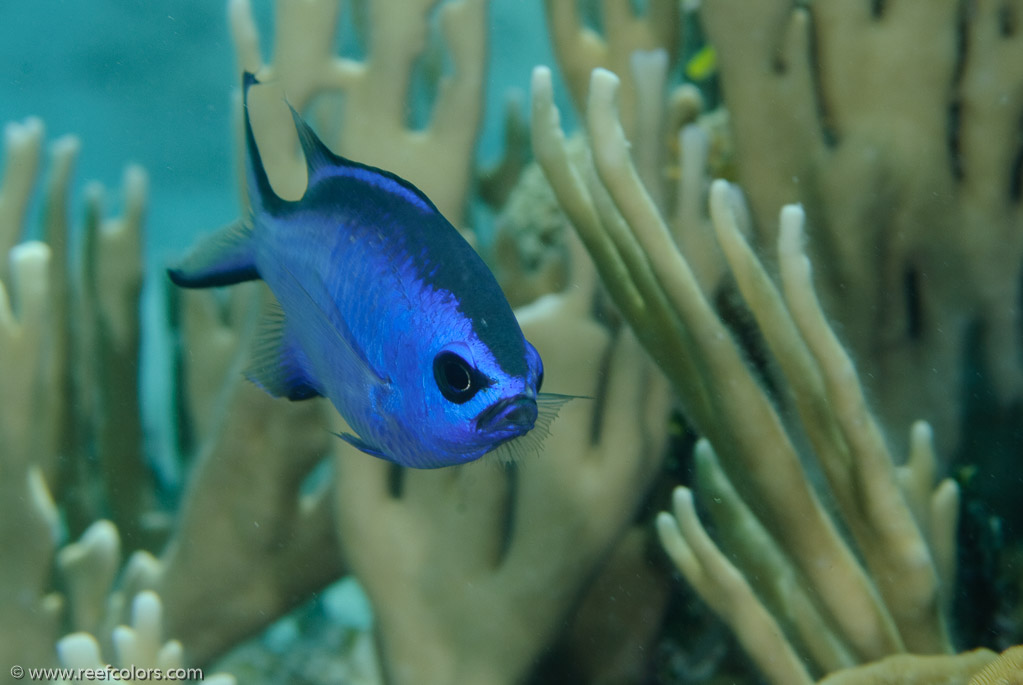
x: 322, y: 163
x: 317, y: 155
x: 261, y: 193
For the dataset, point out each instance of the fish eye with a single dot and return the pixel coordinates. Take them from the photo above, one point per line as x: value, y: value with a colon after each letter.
x: 457, y: 380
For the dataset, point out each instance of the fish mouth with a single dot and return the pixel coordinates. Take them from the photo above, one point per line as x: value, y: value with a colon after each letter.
x: 512, y: 414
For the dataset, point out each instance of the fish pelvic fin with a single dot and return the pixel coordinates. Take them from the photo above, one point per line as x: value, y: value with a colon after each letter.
x: 222, y: 258
x: 361, y: 445
x: 279, y: 366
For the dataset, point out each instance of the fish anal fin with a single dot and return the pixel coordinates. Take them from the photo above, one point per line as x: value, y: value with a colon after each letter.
x: 279, y: 366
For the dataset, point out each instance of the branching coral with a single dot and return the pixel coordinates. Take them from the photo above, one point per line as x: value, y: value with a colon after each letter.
x: 110, y: 292
x: 91, y: 342
x: 913, y: 669
x: 35, y: 357
x: 1007, y: 668
x: 28, y: 524
x: 641, y: 49
x: 43, y: 446
x: 896, y: 125
x: 244, y: 515
x: 69, y: 370
x: 259, y: 545
x: 823, y: 554
x: 895, y: 602
x: 143, y: 656
x: 530, y: 254
x: 581, y: 49
x: 243, y: 510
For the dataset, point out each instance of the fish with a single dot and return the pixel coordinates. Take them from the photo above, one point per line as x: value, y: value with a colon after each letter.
x: 383, y: 308
x: 703, y: 64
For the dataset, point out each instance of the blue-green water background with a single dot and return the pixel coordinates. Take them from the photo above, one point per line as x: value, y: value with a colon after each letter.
x: 150, y: 82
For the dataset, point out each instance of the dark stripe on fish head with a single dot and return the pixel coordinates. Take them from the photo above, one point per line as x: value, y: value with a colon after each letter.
x: 366, y: 200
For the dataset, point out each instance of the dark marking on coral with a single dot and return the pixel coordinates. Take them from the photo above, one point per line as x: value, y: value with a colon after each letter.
x: 1016, y: 172
x: 914, y: 305
x: 396, y: 481
x: 955, y: 152
x: 828, y: 132
x: 511, y: 496
x: 1007, y: 22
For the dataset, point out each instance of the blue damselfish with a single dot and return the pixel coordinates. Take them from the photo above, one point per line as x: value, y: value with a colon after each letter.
x: 384, y: 309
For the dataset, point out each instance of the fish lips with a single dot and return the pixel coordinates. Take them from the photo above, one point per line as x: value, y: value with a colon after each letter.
x: 513, y: 415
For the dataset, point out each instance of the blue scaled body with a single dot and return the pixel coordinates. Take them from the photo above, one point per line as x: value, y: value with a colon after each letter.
x: 384, y: 309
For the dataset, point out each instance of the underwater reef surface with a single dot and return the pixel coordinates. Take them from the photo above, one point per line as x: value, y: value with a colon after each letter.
x: 779, y: 255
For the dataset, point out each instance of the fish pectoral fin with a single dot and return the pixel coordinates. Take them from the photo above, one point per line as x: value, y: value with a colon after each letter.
x: 361, y: 445
x: 321, y: 320
x: 279, y: 366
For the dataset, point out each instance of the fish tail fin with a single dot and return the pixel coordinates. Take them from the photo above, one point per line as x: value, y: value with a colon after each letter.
x: 226, y: 257
x: 223, y: 258
x: 260, y: 193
